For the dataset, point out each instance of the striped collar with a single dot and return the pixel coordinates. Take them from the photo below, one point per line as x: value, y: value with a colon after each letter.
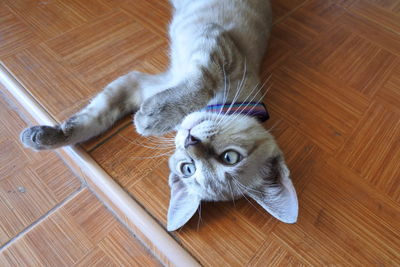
x: 253, y: 109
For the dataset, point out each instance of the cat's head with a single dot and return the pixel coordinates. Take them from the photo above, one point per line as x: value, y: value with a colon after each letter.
x: 220, y: 158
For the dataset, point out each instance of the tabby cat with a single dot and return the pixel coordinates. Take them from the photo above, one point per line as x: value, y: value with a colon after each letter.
x: 209, y: 96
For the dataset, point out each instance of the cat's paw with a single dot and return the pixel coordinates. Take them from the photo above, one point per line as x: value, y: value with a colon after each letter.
x: 156, y: 117
x: 43, y: 137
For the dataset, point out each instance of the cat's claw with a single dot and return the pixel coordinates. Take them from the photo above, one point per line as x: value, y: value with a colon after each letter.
x: 43, y: 137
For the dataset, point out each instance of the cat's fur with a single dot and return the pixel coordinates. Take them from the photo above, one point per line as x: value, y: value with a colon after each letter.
x: 216, y: 51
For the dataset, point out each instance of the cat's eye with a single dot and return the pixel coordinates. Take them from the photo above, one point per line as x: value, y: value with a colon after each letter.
x: 230, y: 157
x: 188, y: 169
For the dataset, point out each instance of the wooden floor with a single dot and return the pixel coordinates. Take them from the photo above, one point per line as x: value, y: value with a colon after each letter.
x: 335, y: 110
x: 47, y: 216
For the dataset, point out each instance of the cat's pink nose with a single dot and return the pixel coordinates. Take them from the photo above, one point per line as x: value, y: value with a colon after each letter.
x: 191, y: 140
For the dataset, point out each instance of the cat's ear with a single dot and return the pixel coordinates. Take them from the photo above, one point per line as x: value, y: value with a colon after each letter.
x: 182, y: 204
x: 277, y: 195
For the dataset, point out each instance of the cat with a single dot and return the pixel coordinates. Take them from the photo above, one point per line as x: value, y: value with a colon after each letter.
x: 220, y: 153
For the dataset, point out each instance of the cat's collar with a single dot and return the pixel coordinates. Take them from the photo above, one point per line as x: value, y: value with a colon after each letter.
x: 253, y: 109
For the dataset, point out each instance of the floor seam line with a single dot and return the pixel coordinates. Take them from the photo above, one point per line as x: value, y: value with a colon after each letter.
x: 42, y: 218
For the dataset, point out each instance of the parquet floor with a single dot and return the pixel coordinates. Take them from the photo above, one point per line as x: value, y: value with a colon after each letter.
x: 47, y: 217
x: 335, y: 110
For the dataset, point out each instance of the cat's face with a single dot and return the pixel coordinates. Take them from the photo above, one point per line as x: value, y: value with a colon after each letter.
x: 226, y: 157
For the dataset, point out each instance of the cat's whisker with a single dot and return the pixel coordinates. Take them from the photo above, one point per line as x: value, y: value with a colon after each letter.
x: 262, y: 97
x: 246, y: 187
x: 164, y: 154
x: 230, y: 189
x: 157, y: 143
x: 273, y: 127
x: 244, y: 196
x: 199, y: 221
x: 242, y: 81
x: 239, y: 88
x: 249, y: 95
x: 155, y: 156
x: 225, y: 95
x: 159, y: 138
x: 255, y: 95
x: 143, y: 145
x: 160, y: 142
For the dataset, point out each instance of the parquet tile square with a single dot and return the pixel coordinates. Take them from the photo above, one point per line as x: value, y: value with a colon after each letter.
x: 282, y: 8
x: 300, y: 153
x: 92, y: 217
x: 392, y: 5
x: 341, y: 223
x: 56, y: 177
x: 46, y: 18
x: 128, y: 157
x: 15, y: 34
x: 98, y: 51
x: 316, y: 105
x: 153, y: 191
x: 11, y: 225
x: 11, y: 159
x: 369, y: 30
x: 49, y: 81
x: 374, y: 149
x: 119, y: 246
x: 225, y: 235
x: 20, y: 255
x: 96, y: 258
x: 378, y: 14
x: 272, y: 253
x: 306, y: 23
x: 60, y: 236
x: 88, y: 9
x: 29, y: 199
x: 73, y: 235
x: 28, y: 190
x: 389, y: 93
x: 350, y: 58
x: 157, y: 21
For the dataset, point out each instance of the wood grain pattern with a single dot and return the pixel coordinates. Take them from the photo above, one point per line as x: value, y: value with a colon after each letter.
x: 282, y: 8
x: 374, y: 150
x: 365, y: 68
x: 15, y: 34
x: 379, y: 15
x: 334, y: 104
x: 47, y: 19
x: 157, y: 20
x: 95, y: 54
x: 127, y: 167
x: 306, y: 22
x: 389, y: 93
x: 28, y: 190
x: 50, y: 81
x: 75, y: 235
x: 324, y: 110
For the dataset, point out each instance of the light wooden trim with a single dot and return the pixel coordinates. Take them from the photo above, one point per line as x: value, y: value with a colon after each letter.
x: 125, y: 207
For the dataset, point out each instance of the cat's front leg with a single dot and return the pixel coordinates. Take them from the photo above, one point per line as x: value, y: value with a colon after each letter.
x: 120, y: 97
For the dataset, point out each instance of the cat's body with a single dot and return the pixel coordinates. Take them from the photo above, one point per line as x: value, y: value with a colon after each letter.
x: 216, y: 50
